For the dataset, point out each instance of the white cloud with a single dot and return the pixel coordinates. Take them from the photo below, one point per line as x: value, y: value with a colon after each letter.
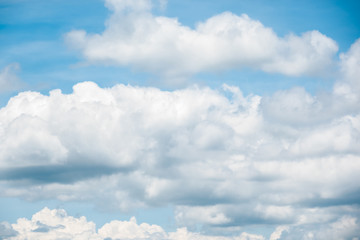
x: 9, y: 82
x: 297, y: 107
x: 162, y: 45
x: 182, y: 233
x: 53, y: 224
x: 350, y: 64
x: 204, y: 214
x: 56, y: 225
x: 222, y: 162
x: 131, y: 230
x: 349, y: 87
x: 278, y: 232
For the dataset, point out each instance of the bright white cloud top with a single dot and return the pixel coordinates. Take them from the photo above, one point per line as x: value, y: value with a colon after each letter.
x: 226, y: 162
x: 133, y: 36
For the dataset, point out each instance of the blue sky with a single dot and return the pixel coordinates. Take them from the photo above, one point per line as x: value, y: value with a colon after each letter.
x: 234, y: 118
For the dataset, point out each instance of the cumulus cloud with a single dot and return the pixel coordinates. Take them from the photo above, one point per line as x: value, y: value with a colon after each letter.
x: 9, y: 82
x: 161, y: 45
x: 53, y: 224
x: 56, y: 224
x: 217, y: 156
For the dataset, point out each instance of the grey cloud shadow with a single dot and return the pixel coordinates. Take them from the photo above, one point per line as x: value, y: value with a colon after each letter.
x: 348, y: 198
x: 7, y: 231
x: 59, y: 173
x: 43, y: 228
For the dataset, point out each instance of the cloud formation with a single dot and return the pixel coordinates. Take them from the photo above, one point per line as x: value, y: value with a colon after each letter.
x: 56, y: 224
x: 161, y: 45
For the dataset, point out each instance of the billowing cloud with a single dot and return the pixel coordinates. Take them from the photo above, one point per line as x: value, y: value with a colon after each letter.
x: 212, y: 154
x: 56, y: 224
x: 9, y: 81
x: 53, y: 224
x: 161, y: 45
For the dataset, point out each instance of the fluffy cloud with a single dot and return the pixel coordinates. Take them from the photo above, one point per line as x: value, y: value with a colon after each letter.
x: 53, y: 224
x: 217, y: 156
x: 56, y: 224
x: 9, y: 82
x: 162, y: 45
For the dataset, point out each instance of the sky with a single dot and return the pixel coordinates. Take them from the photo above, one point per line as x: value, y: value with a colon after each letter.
x: 169, y: 119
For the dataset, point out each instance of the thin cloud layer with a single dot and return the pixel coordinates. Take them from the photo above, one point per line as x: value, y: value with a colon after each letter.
x: 161, y: 45
x: 9, y: 82
x: 222, y: 159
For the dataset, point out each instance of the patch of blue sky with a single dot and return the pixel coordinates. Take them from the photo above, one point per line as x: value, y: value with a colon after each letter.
x: 31, y: 34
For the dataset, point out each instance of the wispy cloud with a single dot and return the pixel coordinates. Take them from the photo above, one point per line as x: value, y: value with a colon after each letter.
x: 9, y: 81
